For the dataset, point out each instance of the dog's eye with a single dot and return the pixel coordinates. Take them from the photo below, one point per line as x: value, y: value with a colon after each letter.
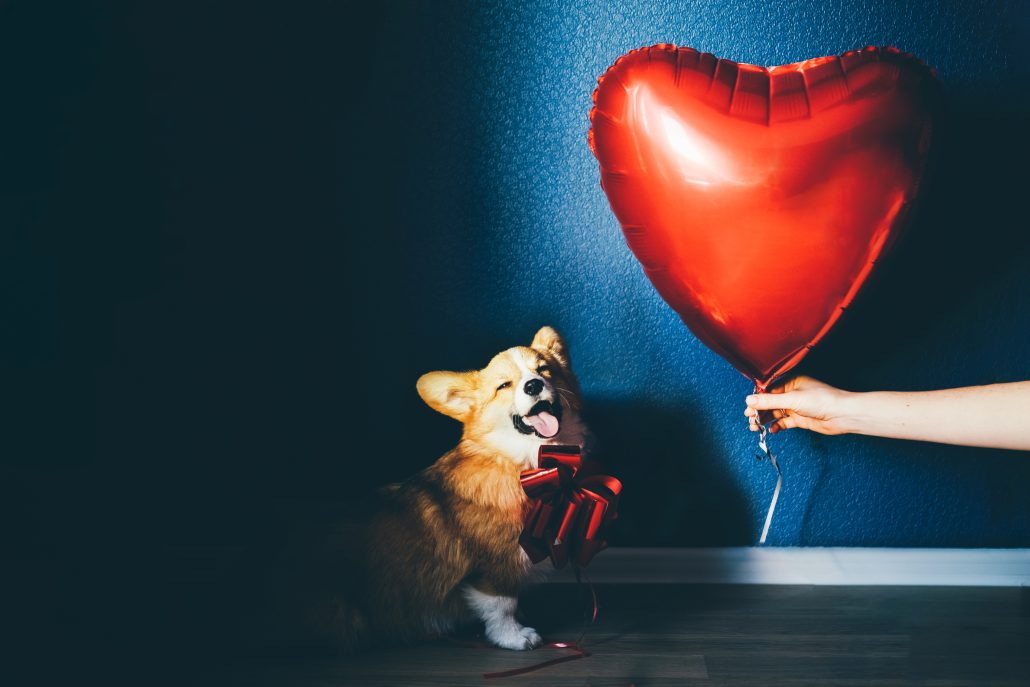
x: 544, y: 370
x: 504, y: 386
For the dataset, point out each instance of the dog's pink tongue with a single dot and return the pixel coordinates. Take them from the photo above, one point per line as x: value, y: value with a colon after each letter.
x: 545, y: 424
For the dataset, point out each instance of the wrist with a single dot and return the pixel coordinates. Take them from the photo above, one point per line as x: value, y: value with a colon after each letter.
x: 851, y: 416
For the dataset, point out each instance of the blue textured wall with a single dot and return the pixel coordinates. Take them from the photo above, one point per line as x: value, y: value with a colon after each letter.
x: 478, y: 117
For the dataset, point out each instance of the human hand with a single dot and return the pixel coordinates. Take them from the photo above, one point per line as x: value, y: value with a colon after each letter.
x: 801, y: 402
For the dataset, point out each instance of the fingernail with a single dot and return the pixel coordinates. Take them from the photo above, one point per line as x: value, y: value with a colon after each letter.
x: 751, y: 400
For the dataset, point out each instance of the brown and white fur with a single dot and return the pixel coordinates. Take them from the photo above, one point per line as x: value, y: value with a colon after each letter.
x: 441, y: 549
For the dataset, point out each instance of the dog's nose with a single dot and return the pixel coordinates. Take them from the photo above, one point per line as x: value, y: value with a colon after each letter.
x: 533, y: 387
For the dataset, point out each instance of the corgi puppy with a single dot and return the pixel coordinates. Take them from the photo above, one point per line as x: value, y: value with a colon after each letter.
x: 471, y: 500
x: 442, y: 548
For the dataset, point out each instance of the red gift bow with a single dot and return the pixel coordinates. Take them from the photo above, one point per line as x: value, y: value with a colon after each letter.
x: 567, y: 514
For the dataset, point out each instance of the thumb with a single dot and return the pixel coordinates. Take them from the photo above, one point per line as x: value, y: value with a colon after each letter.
x: 786, y: 401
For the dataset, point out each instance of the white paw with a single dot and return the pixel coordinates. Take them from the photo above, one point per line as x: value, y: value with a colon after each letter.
x: 513, y: 636
x: 532, y: 637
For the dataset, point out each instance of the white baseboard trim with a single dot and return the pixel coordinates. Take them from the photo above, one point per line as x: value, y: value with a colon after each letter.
x: 807, y: 566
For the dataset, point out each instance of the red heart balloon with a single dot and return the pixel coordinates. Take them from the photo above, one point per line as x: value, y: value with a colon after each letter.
x: 759, y: 199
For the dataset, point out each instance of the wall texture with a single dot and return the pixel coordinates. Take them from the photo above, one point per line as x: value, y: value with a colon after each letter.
x: 232, y: 238
x: 495, y: 223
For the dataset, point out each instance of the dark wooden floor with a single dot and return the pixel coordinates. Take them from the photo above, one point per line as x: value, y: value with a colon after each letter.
x: 714, y: 635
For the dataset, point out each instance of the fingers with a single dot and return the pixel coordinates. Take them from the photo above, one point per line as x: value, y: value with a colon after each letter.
x: 792, y: 384
x: 795, y: 384
x: 772, y: 400
x: 786, y: 422
x: 753, y: 423
x: 780, y: 405
x: 755, y: 417
x: 775, y: 413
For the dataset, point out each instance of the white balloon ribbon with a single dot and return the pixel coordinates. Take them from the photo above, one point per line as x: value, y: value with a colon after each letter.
x: 762, y: 433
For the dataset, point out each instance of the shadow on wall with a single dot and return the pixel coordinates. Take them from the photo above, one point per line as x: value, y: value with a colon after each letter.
x: 675, y: 495
x: 964, y: 247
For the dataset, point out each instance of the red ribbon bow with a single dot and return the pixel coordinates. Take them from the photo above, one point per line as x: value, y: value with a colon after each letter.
x: 567, y: 514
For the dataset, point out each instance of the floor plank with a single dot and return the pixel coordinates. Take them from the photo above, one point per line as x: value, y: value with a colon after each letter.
x: 664, y: 635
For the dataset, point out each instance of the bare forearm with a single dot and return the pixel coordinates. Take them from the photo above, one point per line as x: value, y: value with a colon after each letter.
x: 995, y: 416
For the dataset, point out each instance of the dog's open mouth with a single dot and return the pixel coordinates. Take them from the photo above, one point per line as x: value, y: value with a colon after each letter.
x: 543, y: 419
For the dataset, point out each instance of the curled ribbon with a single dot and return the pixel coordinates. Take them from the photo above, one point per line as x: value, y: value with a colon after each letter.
x: 567, y: 514
x: 766, y: 453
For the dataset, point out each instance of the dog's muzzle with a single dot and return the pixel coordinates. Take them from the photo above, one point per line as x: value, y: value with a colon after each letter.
x: 543, y: 419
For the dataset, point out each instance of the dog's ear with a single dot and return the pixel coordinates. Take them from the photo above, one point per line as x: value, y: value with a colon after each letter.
x: 451, y: 393
x: 549, y: 342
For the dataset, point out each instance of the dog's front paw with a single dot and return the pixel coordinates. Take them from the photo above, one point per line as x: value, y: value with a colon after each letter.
x: 532, y: 637
x: 513, y: 636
